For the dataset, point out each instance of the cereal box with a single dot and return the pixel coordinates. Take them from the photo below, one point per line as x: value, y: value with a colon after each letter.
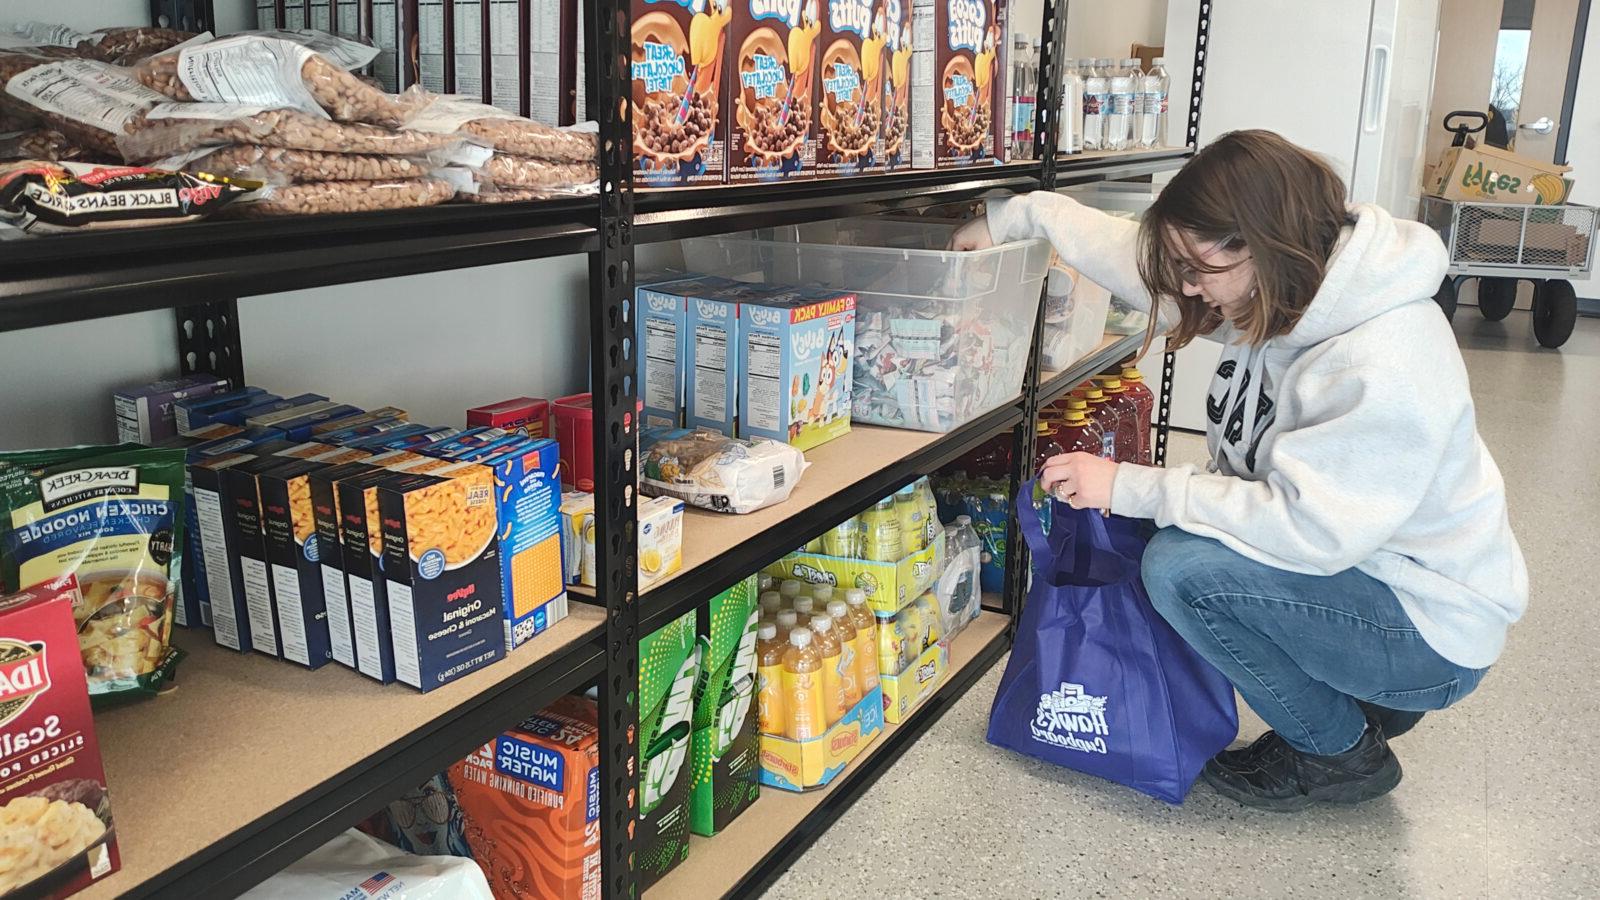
x: 290, y: 542
x: 527, y: 490
x: 530, y: 804
x: 795, y: 347
x: 895, y: 132
x: 441, y: 562
x: 957, y: 106
x: 724, y: 745
x: 850, y: 89
x: 680, y: 105
x: 667, y: 668
x: 529, y: 415
x: 55, y: 813
x: 361, y: 545
x: 330, y: 555
x: 772, y: 47
x: 144, y: 413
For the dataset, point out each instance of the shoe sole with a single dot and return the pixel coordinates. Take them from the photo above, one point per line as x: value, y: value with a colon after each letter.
x: 1383, y: 785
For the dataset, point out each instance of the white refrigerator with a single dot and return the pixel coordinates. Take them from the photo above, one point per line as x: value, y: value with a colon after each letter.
x: 1350, y: 79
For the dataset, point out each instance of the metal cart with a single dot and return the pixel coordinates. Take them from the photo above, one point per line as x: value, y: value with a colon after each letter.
x: 1501, y: 244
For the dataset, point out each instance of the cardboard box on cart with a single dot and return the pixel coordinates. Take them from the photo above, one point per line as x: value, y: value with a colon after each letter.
x: 1486, y: 174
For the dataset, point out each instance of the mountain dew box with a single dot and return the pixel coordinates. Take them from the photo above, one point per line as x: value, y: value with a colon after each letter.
x: 795, y: 346
x: 667, y: 665
x: 725, y: 745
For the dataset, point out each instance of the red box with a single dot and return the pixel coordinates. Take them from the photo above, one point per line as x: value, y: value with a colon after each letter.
x: 575, y: 434
x: 49, y: 758
x: 530, y: 415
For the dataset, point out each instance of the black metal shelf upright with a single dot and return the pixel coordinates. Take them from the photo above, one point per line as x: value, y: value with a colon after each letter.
x: 199, y: 270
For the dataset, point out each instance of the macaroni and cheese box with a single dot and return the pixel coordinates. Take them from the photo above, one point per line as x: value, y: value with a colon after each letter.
x: 252, y: 593
x: 361, y: 544
x: 144, y: 413
x: 290, y: 540
x: 529, y: 415
x: 527, y: 491
x: 668, y: 662
x: 795, y: 347
x: 298, y: 428
x: 230, y: 627
x: 271, y: 407
x: 294, y: 408
x: 198, y: 412
x: 55, y: 812
x: 371, y: 429
x: 544, y: 776
x: 724, y: 745
x: 358, y: 420
x: 330, y: 554
x: 194, y: 586
x: 442, y: 566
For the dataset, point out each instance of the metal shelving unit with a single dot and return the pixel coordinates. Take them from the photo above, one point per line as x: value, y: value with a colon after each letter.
x: 261, y: 762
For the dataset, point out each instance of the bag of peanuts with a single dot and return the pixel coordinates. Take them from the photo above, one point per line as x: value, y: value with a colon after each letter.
x: 39, y: 195
x: 125, y: 46
x: 90, y: 102
x: 38, y: 143
x: 272, y: 73
x: 507, y: 133
x: 170, y: 129
x: 323, y: 197
x: 284, y: 165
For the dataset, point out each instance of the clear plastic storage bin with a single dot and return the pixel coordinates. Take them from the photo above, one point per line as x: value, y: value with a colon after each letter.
x: 941, y: 337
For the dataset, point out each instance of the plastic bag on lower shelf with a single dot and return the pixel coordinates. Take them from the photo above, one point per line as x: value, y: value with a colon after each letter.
x: 355, y: 864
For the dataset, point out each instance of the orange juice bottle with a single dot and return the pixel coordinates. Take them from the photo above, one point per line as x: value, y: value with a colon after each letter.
x: 769, y: 679
x: 805, y: 608
x: 849, y: 650
x: 804, y: 703
x: 827, y: 642
x: 787, y: 621
x: 866, y: 637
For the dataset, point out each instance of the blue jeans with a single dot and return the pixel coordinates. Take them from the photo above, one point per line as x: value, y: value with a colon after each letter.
x: 1301, y: 649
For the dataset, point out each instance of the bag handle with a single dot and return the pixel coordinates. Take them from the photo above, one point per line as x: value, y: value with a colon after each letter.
x: 1046, y: 550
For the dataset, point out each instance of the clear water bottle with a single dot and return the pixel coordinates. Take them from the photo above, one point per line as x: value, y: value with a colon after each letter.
x: 1069, y: 120
x: 1024, y: 85
x: 1096, y: 99
x: 1124, y: 83
x: 1153, y: 90
x: 959, y: 596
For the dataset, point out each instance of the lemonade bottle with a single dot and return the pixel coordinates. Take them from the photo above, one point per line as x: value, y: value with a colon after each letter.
x: 850, y: 647
x: 843, y: 540
x: 805, y: 608
x: 805, y: 710
x: 832, y: 653
x: 765, y: 582
x: 823, y: 594
x: 769, y: 679
x: 881, y: 533
x: 914, y: 631
x: 866, y: 637
x: 930, y: 508
x: 891, y: 644
x: 788, y: 620
x: 771, y: 602
x: 790, y: 589
x: 908, y: 512
x: 930, y: 620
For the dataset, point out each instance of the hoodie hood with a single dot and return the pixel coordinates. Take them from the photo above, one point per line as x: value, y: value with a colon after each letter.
x: 1380, y: 263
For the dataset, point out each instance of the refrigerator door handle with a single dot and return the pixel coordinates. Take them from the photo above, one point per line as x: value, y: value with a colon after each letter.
x: 1376, y: 106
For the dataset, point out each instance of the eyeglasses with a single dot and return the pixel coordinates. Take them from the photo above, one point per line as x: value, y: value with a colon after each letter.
x: 1190, y: 272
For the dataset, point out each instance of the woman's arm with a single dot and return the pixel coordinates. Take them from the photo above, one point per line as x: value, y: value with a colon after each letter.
x: 1103, y: 247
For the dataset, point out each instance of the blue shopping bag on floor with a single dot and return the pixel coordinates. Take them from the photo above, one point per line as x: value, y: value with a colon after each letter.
x: 1098, y: 681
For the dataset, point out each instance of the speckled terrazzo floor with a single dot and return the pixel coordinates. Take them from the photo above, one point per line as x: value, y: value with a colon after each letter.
x: 1501, y: 794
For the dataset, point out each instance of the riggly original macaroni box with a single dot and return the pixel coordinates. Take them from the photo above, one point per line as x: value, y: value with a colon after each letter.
x: 850, y: 89
x: 667, y: 667
x: 799, y: 765
x: 192, y: 413
x: 441, y: 562
x: 530, y: 804
x: 330, y: 555
x: 289, y: 539
x: 680, y: 104
x: 361, y: 546
x: 527, y: 492
x: 958, y: 81
x: 194, y: 588
x: 55, y: 813
x: 724, y: 745
x: 795, y: 346
x: 772, y: 75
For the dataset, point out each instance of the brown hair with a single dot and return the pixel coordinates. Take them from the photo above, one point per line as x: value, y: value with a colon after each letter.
x: 1249, y: 189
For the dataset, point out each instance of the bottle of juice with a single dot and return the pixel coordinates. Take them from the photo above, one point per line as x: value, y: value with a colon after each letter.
x: 804, y: 607
x: 804, y: 698
x: 891, y: 644
x: 915, y: 631
x: 831, y: 648
x: 843, y: 540
x: 1144, y: 400
x: 823, y: 594
x: 930, y: 508
x: 771, y: 602
x: 1045, y: 444
x: 931, y: 623
x: 866, y: 626
x: 788, y: 620
x: 790, y: 589
x: 908, y: 511
x: 881, y: 531
x: 765, y: 582
x: 769, y: 679
x: 850, y: 640
x: 1127, y: 414
x: 1102, y: 416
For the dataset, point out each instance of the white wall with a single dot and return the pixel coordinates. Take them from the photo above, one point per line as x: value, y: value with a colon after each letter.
x: 1101, y: 29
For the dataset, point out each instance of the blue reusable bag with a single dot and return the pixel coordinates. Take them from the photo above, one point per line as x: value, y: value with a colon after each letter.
x: 1098, y: 681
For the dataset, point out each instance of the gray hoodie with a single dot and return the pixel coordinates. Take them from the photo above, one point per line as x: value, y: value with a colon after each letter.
x: 1351, y: 441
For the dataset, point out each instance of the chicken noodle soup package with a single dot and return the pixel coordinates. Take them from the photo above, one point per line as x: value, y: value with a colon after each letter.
x: 719, y: 473
x: 112, y: 516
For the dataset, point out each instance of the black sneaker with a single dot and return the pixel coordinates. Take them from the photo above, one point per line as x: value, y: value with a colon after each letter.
x: 1279, y: 778
x: 1394, y: 722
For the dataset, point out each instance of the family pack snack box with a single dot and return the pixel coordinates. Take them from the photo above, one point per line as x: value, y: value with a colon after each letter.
x: 527, y: 491
x: 725, y: 746
x: 850, y: 88
x: 144, y: 413
x: 772, y: 48
x: 795, y: 347
x: 529, y: 415
x: 53, y: 798
x: 289, y: 537
x: 195, y: 412
x: 544, y: 775
x: 361, y: 543
x: 895, y: 131
x: 663, y: 333
x: 330, y: 555
x: 680, y: 104
x: 668, y: 661
x: 442, y: 566
x: 957, y: 79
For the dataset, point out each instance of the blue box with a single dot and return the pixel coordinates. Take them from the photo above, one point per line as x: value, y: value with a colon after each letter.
x: 193, y: 609
x: 795, y: 352
x: 361, y: 544
x: 289, y: 540
x: 662, y: 337
x: 145, y: 413
x: 198, y: 412
x: 527, y: 487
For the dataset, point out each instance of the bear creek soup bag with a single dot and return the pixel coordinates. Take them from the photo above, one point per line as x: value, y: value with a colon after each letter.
x: 112, y: 516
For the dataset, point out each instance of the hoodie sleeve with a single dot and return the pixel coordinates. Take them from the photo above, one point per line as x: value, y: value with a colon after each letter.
x: 1343, y: 480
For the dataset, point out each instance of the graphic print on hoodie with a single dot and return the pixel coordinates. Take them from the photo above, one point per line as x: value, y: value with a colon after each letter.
x: 1231, y: 396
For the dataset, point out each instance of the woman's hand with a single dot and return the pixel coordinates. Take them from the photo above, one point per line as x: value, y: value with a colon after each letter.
x: 972, y: 236
x: 1082, y: 480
